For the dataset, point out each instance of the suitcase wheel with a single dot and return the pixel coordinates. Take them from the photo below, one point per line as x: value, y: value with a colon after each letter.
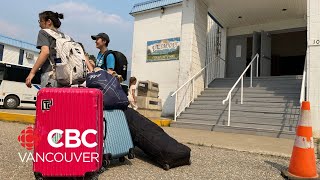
x: 122, y: 159
x: 106, y: 160
x: 166, y: 167
x: 105, y: 163
x: 131, y: 154
x: 38, y: 176
x: 92, y: 176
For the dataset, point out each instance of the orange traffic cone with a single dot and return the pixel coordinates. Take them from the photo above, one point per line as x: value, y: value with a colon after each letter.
x: 303, y: 162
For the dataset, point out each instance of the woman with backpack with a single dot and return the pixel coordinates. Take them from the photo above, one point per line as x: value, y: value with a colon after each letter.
x: 47, y: 44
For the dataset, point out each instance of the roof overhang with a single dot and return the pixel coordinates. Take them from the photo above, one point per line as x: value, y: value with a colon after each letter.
x: 239, y: 13
x: 153, y: 5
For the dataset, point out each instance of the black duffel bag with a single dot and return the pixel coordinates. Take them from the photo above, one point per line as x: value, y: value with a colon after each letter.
x: 156, y: 143
x: 113, y: 95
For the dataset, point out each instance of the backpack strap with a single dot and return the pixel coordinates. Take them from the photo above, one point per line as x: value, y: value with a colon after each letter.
x: 57, y: 35
x: 105, y: 55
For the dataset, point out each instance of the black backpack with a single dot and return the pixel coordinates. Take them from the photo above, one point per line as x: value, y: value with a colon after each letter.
x: 121, y: 63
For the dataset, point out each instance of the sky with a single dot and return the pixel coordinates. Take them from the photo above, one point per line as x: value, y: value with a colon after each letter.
x: 83, y: 18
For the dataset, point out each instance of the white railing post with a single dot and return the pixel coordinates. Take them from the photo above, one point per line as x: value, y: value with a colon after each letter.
x: 303, y: 85
x: 251, y: 73
x: 258, y: 65
x: 242, y: 90
x: 191, y: 80
x: 175, y: 107
x: 229, y: 113
x: 241, y: 78
x: 192, y: 90
x: 207, y: 75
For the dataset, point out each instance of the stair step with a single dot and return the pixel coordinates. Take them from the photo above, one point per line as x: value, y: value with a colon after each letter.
x: 266, y: 77
x: 237, y: 103
x: 240, y: 116
x: 271, y: 107
x: 248, y: 82
x: 238, y: 130
x: 235, y: 109
x: 251, y: 99
x: 224, y: 120
x: 251, y: 95
x: 271, y: 86
x: 248, y: 89
x: 264, y: 125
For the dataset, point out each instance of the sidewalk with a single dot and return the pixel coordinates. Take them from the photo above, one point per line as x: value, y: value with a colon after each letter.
x: 239, y: 142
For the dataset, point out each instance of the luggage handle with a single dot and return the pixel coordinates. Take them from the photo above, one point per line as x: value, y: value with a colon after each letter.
x: 105, y: 129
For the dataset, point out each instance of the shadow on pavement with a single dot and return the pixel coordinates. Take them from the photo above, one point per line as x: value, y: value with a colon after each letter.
x: 144, y: 157
x: 279, y: 167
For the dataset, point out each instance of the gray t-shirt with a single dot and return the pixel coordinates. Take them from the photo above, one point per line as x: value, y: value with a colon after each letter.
x: 44, y: 39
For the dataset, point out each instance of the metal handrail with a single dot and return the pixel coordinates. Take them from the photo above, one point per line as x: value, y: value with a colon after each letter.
x: 190, y: 80
x: 256, y: 57
x: 303, y: 85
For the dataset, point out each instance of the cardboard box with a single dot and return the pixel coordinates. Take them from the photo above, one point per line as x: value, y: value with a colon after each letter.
x: 149, y: 103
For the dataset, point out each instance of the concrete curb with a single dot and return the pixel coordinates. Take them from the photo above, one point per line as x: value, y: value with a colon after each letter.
x: 14, y: 117
x: 30, y: 119
x: 161, y: 122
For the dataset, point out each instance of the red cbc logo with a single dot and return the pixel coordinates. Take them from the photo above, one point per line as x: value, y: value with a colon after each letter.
x: 28, y: 138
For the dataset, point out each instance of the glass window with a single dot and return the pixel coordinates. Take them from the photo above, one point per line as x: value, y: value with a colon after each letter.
x: 19, y: 74
x: 1, y: 51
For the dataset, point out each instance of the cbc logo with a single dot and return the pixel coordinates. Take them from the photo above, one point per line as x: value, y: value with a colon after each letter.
x: 71, y: 135
x: 28, y: 138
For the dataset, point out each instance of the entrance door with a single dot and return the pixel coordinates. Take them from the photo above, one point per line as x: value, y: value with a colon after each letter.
x: 265, y: 56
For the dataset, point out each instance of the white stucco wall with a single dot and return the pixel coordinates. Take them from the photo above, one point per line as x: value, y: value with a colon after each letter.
x: 150, y: 26
x: 314, y: 64
x: 193, y: 49
x: 30, y: 62
x: 11, y: 55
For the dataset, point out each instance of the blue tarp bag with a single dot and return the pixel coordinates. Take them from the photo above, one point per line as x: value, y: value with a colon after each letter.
x: 113, y: 95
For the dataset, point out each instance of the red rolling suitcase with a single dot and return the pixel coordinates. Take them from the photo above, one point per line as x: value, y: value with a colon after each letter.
x: 69, y: 126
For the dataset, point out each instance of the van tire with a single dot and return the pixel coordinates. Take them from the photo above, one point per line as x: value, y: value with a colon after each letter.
x: 11, y: 102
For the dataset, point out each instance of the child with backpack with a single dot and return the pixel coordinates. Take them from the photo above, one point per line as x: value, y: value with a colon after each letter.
x: 59, y: 68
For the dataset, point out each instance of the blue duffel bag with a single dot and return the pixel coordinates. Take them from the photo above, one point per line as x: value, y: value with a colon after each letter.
x: 113, y: 95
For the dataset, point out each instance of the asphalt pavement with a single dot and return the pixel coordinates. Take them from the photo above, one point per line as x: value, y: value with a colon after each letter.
x: 207, y: 163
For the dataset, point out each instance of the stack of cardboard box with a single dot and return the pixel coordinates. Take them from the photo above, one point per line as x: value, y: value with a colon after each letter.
x: 147, y: 100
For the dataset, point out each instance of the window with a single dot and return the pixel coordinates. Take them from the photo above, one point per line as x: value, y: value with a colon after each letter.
x: 1, y: 51
x: 19, y: 74
x: 21, y: 55
x: 2, y: 68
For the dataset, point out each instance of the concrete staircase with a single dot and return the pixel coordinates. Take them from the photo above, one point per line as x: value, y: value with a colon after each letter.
x: 271, y: 107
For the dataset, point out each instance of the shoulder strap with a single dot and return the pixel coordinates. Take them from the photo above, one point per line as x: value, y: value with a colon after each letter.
x: 56, y: 35
x: 105, y: 55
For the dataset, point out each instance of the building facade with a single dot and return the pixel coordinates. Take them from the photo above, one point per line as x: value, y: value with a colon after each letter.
x: 17, y: 52
x: 285, y: 34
